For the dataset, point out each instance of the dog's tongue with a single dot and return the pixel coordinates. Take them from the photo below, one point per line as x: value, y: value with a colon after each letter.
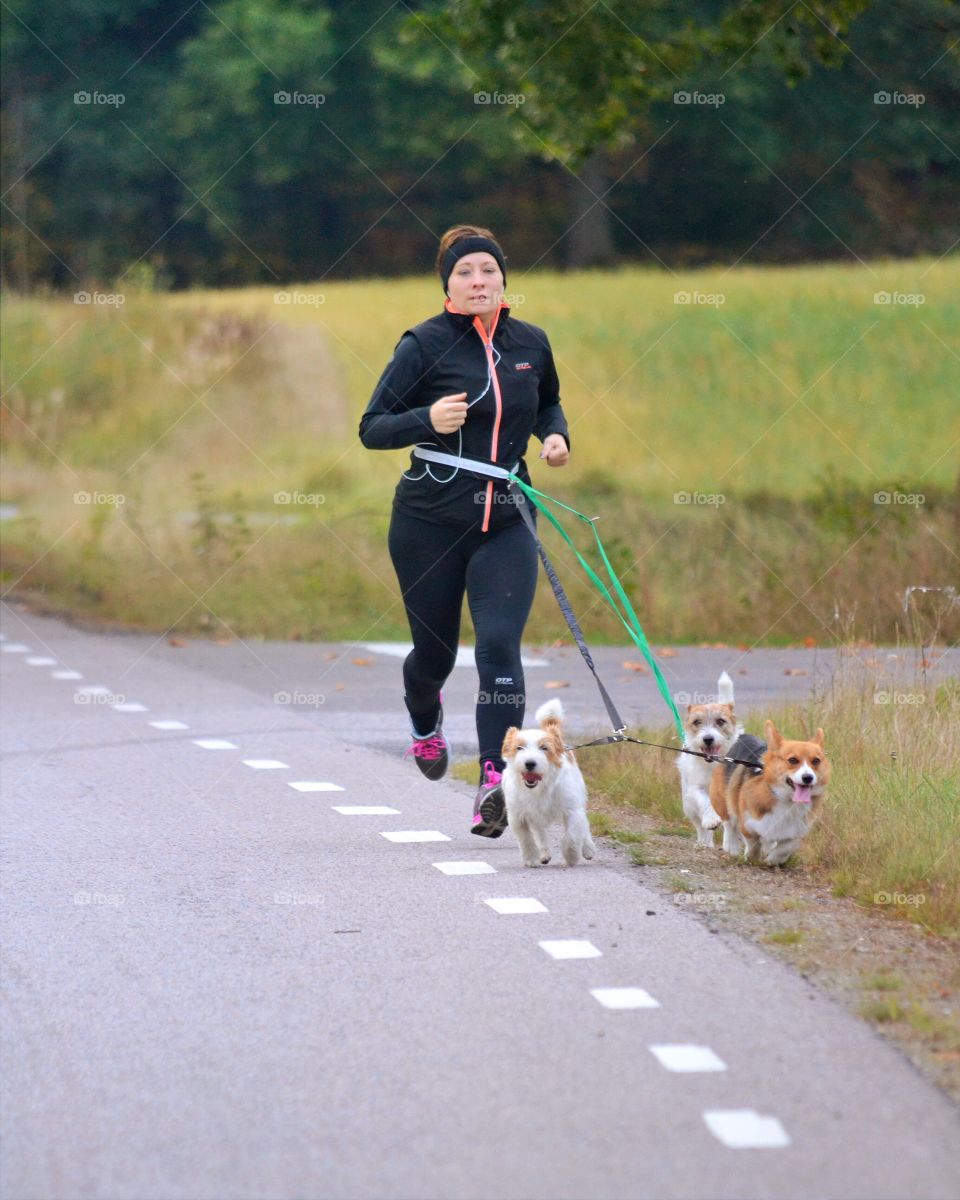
x: 801, y: 793
x: 531, y: 777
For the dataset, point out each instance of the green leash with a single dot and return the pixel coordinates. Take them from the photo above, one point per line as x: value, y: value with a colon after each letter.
x: 630, y: 622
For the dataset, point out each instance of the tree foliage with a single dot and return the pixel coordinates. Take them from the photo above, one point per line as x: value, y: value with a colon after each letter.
x: 538, y: 119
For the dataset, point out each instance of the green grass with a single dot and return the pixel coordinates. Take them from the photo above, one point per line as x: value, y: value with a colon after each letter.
x: 883, y: 1010
x: 794, y: 402
x: 881, y: 981
x: 785, y: 937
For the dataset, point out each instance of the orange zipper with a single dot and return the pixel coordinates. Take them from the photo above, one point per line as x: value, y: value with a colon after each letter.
x: 488, y: 350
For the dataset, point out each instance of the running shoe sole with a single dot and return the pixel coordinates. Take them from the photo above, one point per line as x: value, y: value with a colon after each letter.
x: 493, y: 813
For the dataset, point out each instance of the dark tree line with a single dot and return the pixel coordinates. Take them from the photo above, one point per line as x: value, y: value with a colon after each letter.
x: 242, y: 141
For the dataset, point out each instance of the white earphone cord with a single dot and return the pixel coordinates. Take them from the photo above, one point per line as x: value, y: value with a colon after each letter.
x: 426, y: 467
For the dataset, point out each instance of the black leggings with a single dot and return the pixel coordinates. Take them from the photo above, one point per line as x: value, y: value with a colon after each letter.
x: 435, y: 565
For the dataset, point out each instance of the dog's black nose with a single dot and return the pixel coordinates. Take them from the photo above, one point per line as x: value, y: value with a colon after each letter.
x: 708, y: 740
x: 530, y: 763
x: 807, y: 778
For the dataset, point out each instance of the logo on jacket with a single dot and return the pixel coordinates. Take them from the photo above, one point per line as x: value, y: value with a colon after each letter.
x: 524, y: 366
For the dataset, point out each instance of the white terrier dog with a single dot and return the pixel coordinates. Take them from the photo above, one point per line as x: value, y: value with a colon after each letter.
x: 542, y: 785
x: 711, y: 729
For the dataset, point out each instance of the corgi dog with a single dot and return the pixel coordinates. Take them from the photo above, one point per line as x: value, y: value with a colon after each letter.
x: 766, y: 814
x: 542, y: 785
x: 711, y: 729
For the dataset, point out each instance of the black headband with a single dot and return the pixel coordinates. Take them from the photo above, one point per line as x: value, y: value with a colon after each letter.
x: 470, y: 245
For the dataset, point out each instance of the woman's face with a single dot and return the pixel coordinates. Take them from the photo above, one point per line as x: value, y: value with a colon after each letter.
x: 476, y: 284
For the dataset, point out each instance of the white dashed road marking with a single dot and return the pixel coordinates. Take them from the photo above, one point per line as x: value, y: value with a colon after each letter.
x: 465, y: 654
x: 266, y: 764
x: 94, y: 689
x: 168, y: 725
x: 39, y: 660
x: 466, y: 868
x: 129, y: 706
x: 570, y: 948
x: 314, y: 785
x: 365, y: 810
x: 214, y: 744
x: 15, y: 648
x: 416, y: 835
x: 516, y: 904
x: 744, y: 1129
x: 624, y: 997
x: 688, y: 1058
x: 66, y: 675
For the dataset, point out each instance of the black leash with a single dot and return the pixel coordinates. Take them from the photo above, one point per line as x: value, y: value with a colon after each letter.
x: 755, y: 766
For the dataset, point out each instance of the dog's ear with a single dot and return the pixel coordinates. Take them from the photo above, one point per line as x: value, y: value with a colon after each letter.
x: 509, y: 748
x: 818, y: 738
x: 774, y: 738
x: 554, y: 744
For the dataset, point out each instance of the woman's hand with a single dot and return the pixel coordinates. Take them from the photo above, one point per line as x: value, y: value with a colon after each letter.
x: 449, y: 412
x: 555, y: 450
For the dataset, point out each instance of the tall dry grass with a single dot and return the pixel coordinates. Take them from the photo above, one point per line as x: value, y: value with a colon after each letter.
x: 734, y: 453
x: 889, y: 833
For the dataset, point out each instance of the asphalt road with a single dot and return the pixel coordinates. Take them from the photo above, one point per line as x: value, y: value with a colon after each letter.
x: 218, y: 985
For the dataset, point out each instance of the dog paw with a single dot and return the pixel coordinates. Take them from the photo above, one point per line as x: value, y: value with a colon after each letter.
x: 588, y: 852
x: 530, y: 862
x: 710, y: 821
x: 544, y: 860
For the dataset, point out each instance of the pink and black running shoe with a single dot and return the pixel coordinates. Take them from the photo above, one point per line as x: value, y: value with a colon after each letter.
x: 431, y: 751
x: 489, y: 807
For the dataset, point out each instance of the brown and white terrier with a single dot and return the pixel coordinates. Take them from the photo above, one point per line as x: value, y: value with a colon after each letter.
x: 767, y: 814
x: 542, y: 785
x: 709, y: 729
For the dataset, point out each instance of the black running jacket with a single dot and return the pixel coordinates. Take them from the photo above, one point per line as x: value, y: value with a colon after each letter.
x: 520, y: 396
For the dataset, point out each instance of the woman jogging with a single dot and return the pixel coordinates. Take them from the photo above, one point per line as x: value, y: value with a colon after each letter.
x: 467, y: 387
